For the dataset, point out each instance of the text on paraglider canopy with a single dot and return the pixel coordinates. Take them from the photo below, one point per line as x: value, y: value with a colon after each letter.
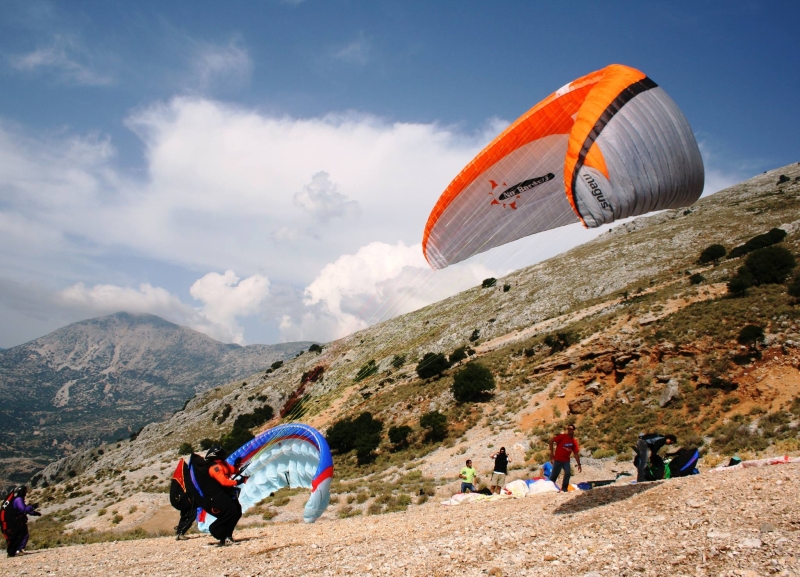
x: 596, y: 191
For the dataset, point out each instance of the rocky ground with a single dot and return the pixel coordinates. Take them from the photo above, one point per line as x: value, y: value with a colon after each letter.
x: 744, y: 522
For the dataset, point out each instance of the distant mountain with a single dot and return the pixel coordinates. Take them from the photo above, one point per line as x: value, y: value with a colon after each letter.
x: 104, y: 378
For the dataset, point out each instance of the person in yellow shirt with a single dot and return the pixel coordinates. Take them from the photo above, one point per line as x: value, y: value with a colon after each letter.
x: 468, y: 476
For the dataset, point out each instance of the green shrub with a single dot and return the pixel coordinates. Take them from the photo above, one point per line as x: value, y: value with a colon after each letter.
x: 362, y: 434
x: 366, y: 371
x: 476, y: 334
x: 712, y: 254
x: 436, y: 425
x: 240, y: 434
x: 794, y: 286
x: 460, y: 354
x: 398, y: 361
x: 431, y: 365
x: 735, y: 437
x: 506, y: 288
x: 774, y: 236
x: 696, y: 278
x: 399, y: 435
x: 488, y: 282
x: 276, y: 365
x: 226, y: 411
x: 185, y: 449
x: 472, y: 382
x: 770, y: 265
x: 560, y: 341
x: 750, y: 335
x: 206, y: 444
x: 315, y: 348
x: 740, y: 282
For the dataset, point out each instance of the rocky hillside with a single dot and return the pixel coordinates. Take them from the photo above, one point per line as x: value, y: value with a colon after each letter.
x: 623, y: 334
x: 104, y: 378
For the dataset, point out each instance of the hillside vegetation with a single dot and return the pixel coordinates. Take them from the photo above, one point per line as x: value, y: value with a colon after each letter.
x: 626, y: 333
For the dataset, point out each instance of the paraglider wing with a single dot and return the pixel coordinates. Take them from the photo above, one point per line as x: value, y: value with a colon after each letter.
x: 609, y: 145
x: 291, y: 455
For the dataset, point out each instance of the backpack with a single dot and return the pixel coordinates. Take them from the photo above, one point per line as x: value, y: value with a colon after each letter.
x: 8, y: 516
x: 683, y: 463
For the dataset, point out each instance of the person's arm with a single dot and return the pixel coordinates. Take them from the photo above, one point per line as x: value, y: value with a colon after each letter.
x: 578, y: 458
x: 552, y: 454
x: 218, y: 473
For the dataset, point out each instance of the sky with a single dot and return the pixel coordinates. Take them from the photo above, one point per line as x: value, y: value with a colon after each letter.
x: 262, y: 171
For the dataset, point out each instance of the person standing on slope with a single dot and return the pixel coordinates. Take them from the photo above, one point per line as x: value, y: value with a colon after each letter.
x: 224, y: 503
x: 14, y: 520
x: 501, y: 461
x: 565, y: 445
x: 468, y: 475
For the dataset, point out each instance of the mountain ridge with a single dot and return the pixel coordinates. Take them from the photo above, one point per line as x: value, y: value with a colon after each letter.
x: 105, y: 377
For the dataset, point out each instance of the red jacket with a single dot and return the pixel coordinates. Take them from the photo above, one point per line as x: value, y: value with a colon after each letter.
x: 222, y: 472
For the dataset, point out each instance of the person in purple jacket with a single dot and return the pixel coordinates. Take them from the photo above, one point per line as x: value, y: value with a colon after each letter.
x: 14, y: 520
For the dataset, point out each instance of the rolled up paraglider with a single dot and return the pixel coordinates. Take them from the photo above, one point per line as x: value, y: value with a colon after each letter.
x: 291, y: 455
x: 606, y: 146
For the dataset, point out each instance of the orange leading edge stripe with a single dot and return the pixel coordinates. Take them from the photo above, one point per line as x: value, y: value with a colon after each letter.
x: 541, y: 120
x: 616, y: 78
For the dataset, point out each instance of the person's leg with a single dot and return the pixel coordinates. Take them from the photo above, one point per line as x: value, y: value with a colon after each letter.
x: 644, y: 457
x: 556, y: 471
x: 567, y: 471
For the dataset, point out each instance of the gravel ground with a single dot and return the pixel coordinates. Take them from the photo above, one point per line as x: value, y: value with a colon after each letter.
x: 743, y: 522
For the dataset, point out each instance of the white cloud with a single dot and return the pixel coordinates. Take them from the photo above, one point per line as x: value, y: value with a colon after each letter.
x: 226, y: 297
x: 68, y: 58
x: 322, y: 200
x: 356, y: 51
x: 378, y: 282
x: 220, y: 66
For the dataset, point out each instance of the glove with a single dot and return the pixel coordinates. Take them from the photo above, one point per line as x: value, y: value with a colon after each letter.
x: 36, y: 513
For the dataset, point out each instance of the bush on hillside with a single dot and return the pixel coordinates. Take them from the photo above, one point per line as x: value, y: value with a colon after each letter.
x: 750, y: 335
x: 472, y: 382
x: 774, y: 236
x: 398, y: 361
x: 488, y: 282
x: 206, y: 444
x: 771, y: 265
x: 712, y: 253
x: 794, y: 286
x: 740, y: 282
x: 460, y: 354
x: 431, y: 365
x: 476, y: 334
x: 399, y: 435
x: 362, y: 434
x: 560, y: 341
x: 696, y: 278
x: 436, y: 425
x: 315, y: 348
x: 276, y: 365
x: 185, y: 449
x: 240, y: 434
x: 366, y: 371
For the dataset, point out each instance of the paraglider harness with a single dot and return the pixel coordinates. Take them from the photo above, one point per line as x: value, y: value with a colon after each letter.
x: 682, y: 464
x: 9, y: 518
x: 203, y: 487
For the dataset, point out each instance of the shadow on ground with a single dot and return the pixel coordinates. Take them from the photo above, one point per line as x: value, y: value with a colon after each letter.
x: 602, y: 496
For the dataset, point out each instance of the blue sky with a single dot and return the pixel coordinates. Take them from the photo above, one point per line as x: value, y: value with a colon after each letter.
x: 262, y: 171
